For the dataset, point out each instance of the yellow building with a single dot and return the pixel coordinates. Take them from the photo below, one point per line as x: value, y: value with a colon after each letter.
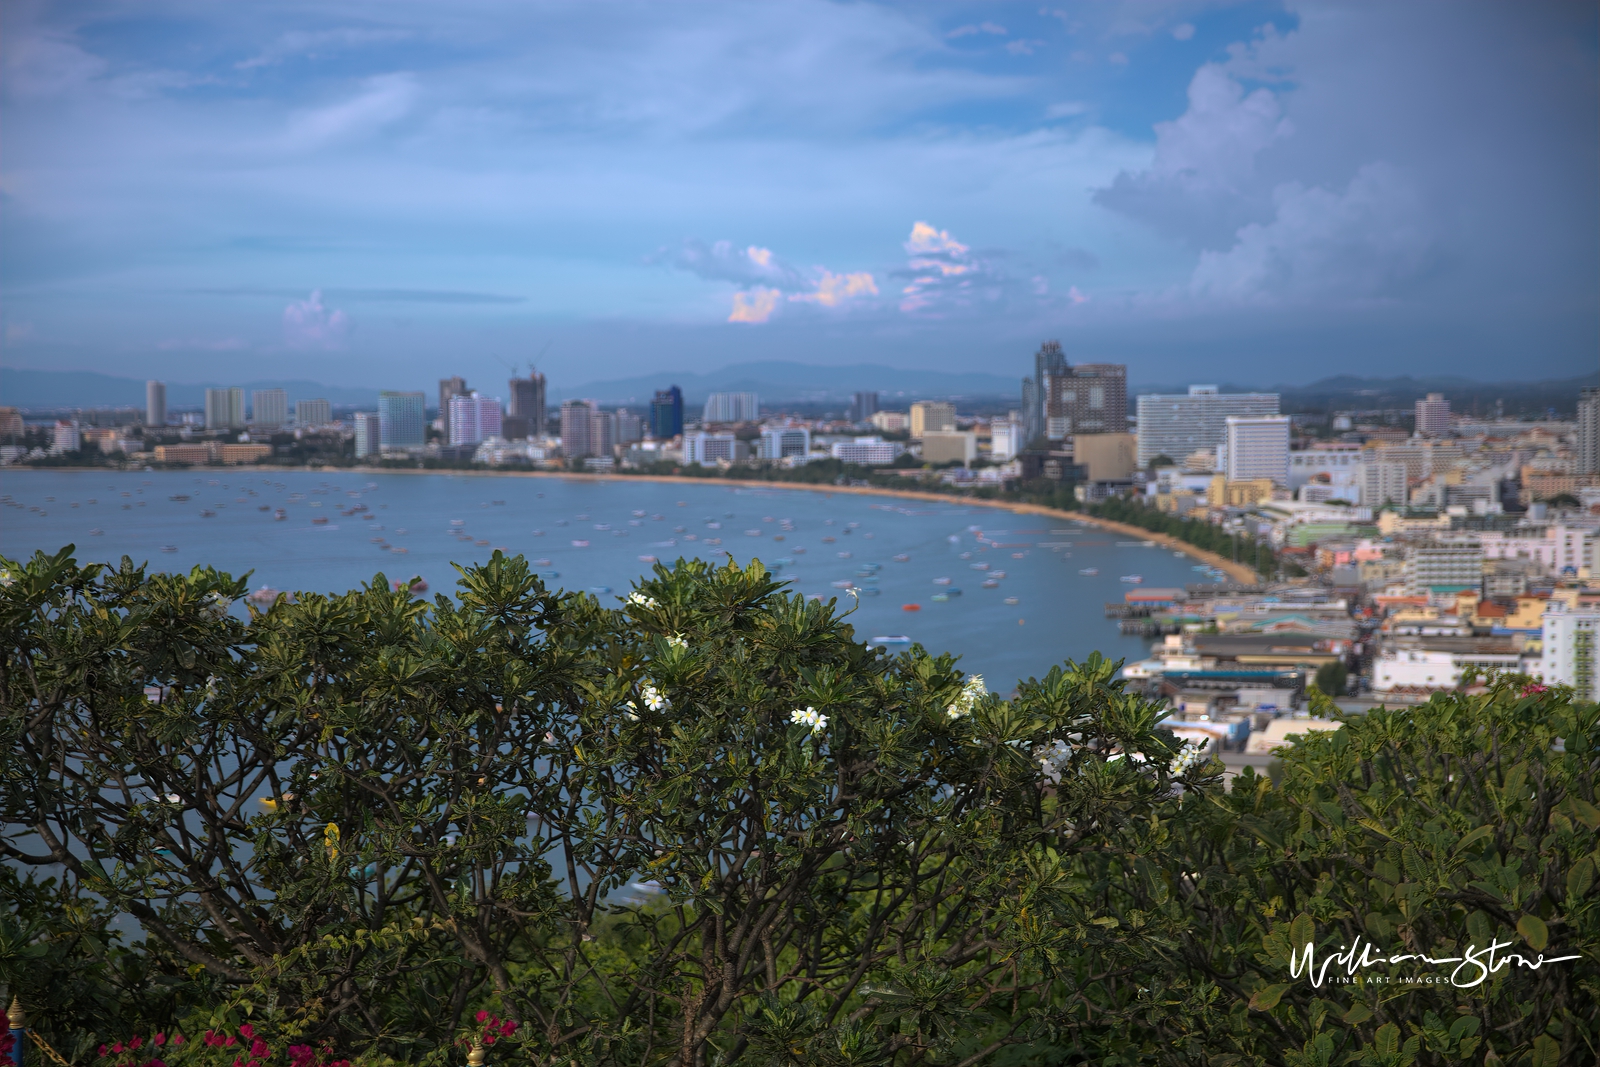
x: 248, y: 453
x: 1243, y: 494
x: 932, y: 416
x: 1110, y: 457
x: 191, y: 454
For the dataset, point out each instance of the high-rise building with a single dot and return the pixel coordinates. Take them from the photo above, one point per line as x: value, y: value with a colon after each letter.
x: 868, y: 451
x: 1258, y: 447
x: 1382, y: 482
x: 473, y: 419
x: 66, y: 438
x: 1568, y: 657
x: 666, y: 414
x: 602, y: 432
x: 225, y: 409
x: 1175, y: 425
x: 864, y: 406
x: 1086, y: 398
x: 11, y: 424
x: 402, y: 424
x: 315, y: 412
x: 155, y: 403
x: 932, y: 416
x: 269, y: 408
x: 577, y: 417
x: 785, y: 441
x: 369, y: 438
x: 449, y: 387
x: 1589, y: 432
x: 1433, y: 415
x: 630, y: 427
x: 707, y: 448
x: 1441, y: 569
x: 1005, y: 438
x: 732, y: 407
x: 1049, y: 362
x: 891, y: 421
x: 525, y: 412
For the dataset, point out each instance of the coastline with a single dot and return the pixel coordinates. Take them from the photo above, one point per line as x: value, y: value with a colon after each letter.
x: 1239, y: 572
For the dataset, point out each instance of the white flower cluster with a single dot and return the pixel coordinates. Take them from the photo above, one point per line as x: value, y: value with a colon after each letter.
x: 5, y: 577
x: 640, y: 600
x: 971, y: 692
x: 217, y: 605
x: 1187, y: 759
x: 1053, y: 757
x: 679, y: 642
x: 809, y: 717
x: 654, y: 699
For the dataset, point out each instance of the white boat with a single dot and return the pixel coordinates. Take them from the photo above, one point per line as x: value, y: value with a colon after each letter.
x: 901, y: 558
x: 941, y: 581
x: 1012, y: 600
x: 843, y: 583
x: 991, y: 584
x: 1089, y: 572
x: 647, y: 559
x: 890, y: 639
x: 1131, y: 579
x: 580, y: 544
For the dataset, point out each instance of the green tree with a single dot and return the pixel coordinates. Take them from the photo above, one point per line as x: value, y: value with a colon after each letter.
x: 1332, y: 677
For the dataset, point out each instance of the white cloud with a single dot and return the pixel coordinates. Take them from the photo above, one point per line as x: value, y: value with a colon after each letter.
x: 985, y: 27
x: 1022, y: 47
x: 1183, y: 31
x: 835, y: 289
x: 308, y: 324
x: 383, y: 99
x: 46, y: 63
x: 1066, y: 109
x: 755, y: 306
x: 1369, y: 242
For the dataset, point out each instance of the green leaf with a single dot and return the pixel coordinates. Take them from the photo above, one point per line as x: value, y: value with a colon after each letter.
x: 1387, y: 1041
x: 1580, y: 879
x: 1302, y: 932
x: 1546, y: 1052
x: 1533, y: 929
x: 1266, y: 998
x: 1472, y: 838
x: 1358, y: 1014
x: 1585, y: 812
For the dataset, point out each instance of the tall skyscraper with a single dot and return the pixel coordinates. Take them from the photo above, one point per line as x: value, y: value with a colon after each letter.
x: 630, y: 427
x: 474, y: 419
x: 602, y: 432
x: 401, y: 421
x: 732, y: 407
x: 449, y: 387
x: 576, y: 429
x: 1589, y: 432
x: 1433, y: 415
x: 1086, y: 398
x: 932, y: 416
x: 225, y: 409
x: 369, y: 437
x: 1258, y: 447
x: 864, y: 406
x: 525, y: 413
x: 1049, y: 362
x: 1174, y: 425
x: 155, y: 403
x: 269, y: 408
x: 666, y: 414
x: 316, y: 412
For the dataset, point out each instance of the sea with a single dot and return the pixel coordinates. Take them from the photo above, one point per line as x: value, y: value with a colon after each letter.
x: 1011, y: 594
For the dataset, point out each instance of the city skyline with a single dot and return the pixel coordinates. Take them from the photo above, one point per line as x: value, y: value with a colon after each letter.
x: 362, y: 194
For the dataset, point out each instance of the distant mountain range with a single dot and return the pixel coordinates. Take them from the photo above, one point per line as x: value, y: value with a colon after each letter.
x: 780, y: 382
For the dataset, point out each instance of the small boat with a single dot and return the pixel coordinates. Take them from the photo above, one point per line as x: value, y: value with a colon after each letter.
x: 902, y: 558
x: 1089, y: 572
x: 401, y: 549
x: 799, y: 551
x: 207, y: 513
x: 377, y: 540
x: 752, y: 533
x: 458, y: 522
x: 966, y: 555
x: 829, y: 540
x: 1131, y: 579
x: 97, y: 532
x: 264, y: 507
x: 663, y: 544
x: 941, y: 597
x: 997, y: 574
x: 1018, y: 555
x: 647, y: 559
x: 541, y: 563
x: 638, y: 514
x: 179, y: 497
x: 941, y: 581
x: 1012, y: 600
x: 481, y: 543
x: 783, y: 561
x: 1180, y: 555
x: 844, y: 555
x: 713, y: 525
x: 910, y: 607
x: 954, y: 539
x: 321, y: 520
x: 991, y: 584
x: 777, y: 537
x: 599, y: 589
x: 712, y: 541
x: 575, y: 544
x: 169, y: 548
x: 843, y: 583
x: 278, y: 515
x: 980, y: 566
x: 890, y: 639
x: 602, y: 526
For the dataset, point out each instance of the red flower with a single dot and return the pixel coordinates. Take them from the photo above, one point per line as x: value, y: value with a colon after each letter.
x: 8, y: 1047
x: 247, y: 1030
x: 159, y: 1040
x: 135, y: 1043
x: 259, y: 1049
x: 117, y: 1047
x: 177, y: 1039
x: 508, y: 1028
x: 483, y: 1016
x: 230, y: 1042
x: 156, y: 1063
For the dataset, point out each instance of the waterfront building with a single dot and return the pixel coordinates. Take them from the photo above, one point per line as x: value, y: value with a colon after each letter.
x: 473, y: 419
x: 1432, y: 415
x: 1176, y: 425
x: 666, y: 414
x: 1048, y: 363
x: 786, y: 441
x: 65, y: 438
x: 1257, y: 447
x: 155, y: 403
x: 947, y: 446
x: 1569, y: 648
x: 1086, y: 398
x: 732, y: 407
x: 369, y: 441
x: 1006, y: 440
x: 707, y: 448
x: 191, y: 454
x: 863, y: 406
x: 525, y: 411
x: 449, y: 387
x: 402, y: 425
x: 269, y: 408
x: 630, y: 427
x: 225, y: 409
x: 235, y: 455
x: 576, y: 417
x: 867, y: 451
x: 932, y: 416
x: 1588, y: 456
x: 314, y: 412
x: 890, y: 421
x: 602, y: 433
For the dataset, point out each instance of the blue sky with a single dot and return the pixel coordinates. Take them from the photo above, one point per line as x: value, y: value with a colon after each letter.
x: 385, y: 193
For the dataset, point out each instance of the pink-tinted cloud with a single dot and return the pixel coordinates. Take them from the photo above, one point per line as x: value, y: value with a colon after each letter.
x: 835, y: 289
x: 308, y: 324
x: 754, y: 306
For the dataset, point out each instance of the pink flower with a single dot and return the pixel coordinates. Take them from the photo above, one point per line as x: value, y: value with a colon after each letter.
x: 488, y: 1039
x: 135, y: 1043
x: 247, y: 1030
x: 102, y: 1047
x: 230, y: 1042
x: 177, y: 1039
x: 508, y: 1028
x: 483, y: 1016
x: 117, y: 1047
x: 159, y: 1040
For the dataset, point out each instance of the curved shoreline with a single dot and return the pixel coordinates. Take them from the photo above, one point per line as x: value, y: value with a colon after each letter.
x: 1239, y: 572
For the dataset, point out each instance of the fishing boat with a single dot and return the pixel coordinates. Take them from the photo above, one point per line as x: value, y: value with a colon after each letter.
x: 179, y: 497
x: 941, y: 597
x: 980, y: 566
x: 320, y: 521
x: 910, y: 607
x: 638, y: 514
x: 829, y: 540
x: 483, y: 543
x: 401, y: 549
x: 541, y: 563
x: 599, y: 589
x: 575, y: 544
x: 843, y: 583
x: 1012, y: 601
x: 264, y: 507
x: 97, y: 532
x: 458, y: 522
x: 712, y: 541
x: 1089, y: 572
x: 902, y: 558
x: 647, y: 559
x: 997, y: 574
x: 941, y: 581
x: 278, y: 515
x: 1131, y: 579
x: 169, y: 548
x: 991, y: 584
x: 844, y: 555
x: 890, y: 639
x: 207, y: 513
x: 377, y: 540
x: 966, y: 555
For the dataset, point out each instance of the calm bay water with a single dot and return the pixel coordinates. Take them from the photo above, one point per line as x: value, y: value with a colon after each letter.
x: 324, y: 544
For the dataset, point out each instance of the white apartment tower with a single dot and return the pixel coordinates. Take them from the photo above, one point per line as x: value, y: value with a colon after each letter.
x: 473, y: 419
x: 1433, y: 415
x: 1589, y: 432
x: 269, y: 408
x: 732, y: 407
x: 1569, y: 648
x: 1176, y: 426
x: 316, y: 412
x: 225, y: 409
x: 1258, y: 447
x: 155, y: 403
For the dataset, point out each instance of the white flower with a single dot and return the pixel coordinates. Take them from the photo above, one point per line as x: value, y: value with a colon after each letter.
x: 1053, y: 757
x: 679, y: 642
x: 640, y: 600
x: 1186, y: 759
x: 216, y: 605
x: 5, y: 578
x: 809, y: 717
x: 654, y: 699
x: 972, y: 691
